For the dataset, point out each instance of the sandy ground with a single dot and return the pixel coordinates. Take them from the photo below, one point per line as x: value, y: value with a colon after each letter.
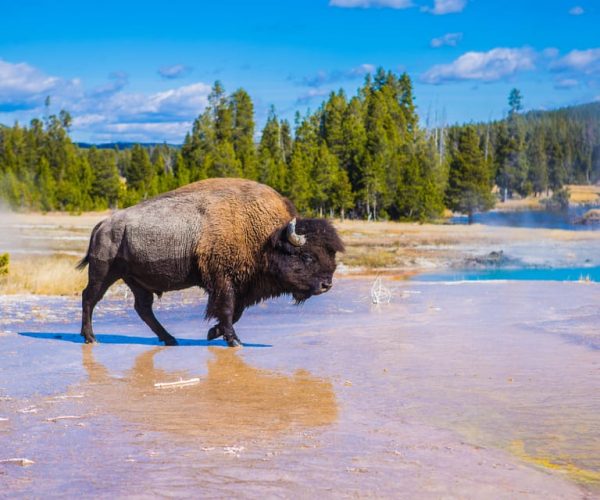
x: 468, y: 390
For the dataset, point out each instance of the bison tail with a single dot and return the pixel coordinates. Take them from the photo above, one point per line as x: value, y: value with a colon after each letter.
x: 82, y: 263
x: 86, y: 260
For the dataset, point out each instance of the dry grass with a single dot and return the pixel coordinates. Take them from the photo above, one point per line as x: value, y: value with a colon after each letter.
x: 584, y: 194
x: 47, y: 275
x: 519, y: 204
x: 371, y: 258
x: 580, y: 195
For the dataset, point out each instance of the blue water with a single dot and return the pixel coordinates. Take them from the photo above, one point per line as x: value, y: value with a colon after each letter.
x: 533, y: 218
x: 528, y: 274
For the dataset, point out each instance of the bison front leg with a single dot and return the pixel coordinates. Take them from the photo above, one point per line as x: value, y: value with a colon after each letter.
x: 223, y: 306
x: 215, y: 332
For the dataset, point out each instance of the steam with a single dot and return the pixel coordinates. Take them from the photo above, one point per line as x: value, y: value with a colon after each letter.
x: 10, y: 239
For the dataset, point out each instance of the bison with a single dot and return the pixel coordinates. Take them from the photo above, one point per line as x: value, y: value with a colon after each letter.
x: 239, y: 240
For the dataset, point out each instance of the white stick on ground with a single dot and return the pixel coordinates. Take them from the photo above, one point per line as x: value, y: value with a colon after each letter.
x: 177, y: 383
x: 65, y: 417
x: 17, y: 461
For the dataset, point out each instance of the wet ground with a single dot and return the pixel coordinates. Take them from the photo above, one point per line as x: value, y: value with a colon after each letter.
x: 467, y: 390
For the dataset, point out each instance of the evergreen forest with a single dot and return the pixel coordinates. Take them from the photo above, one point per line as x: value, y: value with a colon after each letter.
x: 362, y: 156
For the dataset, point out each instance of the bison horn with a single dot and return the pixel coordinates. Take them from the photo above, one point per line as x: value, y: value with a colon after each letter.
x: 295, y: 239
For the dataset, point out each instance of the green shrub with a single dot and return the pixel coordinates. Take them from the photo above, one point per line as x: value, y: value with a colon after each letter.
x: 4, y: 261
x: 559, y: 201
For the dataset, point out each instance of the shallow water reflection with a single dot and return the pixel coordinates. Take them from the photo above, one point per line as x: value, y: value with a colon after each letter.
x: 234, y: 398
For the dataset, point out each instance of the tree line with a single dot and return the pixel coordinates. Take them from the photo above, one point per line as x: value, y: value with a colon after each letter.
x: 363, y: 156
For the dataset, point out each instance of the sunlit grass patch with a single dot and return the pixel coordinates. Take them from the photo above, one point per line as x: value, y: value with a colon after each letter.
x: 4, y: 262
x: 370, y: 258
x: 584, y: 194
x: 43, y: 275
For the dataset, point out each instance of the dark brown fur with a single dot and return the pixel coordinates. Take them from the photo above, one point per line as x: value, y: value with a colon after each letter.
x: 228, y: 236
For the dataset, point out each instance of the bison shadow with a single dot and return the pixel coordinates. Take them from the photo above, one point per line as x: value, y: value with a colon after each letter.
x: 129, y: 340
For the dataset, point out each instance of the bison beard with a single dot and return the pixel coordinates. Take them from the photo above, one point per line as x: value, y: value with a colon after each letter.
x: 239, y: 240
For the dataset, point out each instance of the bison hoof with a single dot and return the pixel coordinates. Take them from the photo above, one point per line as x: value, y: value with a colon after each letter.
x: 234, y: 343
x: 213, y: 333
x: 171, y: 341
x: 89, y: 340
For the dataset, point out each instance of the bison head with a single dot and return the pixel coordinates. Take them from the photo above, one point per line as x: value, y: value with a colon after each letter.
x: 302, y: 257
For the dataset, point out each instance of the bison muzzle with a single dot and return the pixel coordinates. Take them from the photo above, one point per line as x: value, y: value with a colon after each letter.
x: 239, y: 240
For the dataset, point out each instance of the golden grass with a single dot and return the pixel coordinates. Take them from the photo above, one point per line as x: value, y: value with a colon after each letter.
x: 4, y: 261
x: 371, y: 258
x: 584, y: 194
x: 515, y: 205
x: 43, y: 275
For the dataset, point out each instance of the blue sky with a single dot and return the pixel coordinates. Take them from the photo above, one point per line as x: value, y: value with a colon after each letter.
x: 141, y: 71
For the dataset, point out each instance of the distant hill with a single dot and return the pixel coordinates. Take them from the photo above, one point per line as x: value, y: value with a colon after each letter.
x: 542, y: 150
x: 582, y: 112
x: 124, y: 145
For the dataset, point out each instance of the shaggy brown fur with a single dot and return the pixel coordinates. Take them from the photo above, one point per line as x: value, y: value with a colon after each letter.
x: 228, y: 236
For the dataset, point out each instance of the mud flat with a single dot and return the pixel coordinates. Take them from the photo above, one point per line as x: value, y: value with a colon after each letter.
x: 464, y: 390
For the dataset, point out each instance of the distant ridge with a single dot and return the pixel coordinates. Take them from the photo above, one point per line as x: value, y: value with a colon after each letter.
x: 124, y: 145
x: 588, y: 111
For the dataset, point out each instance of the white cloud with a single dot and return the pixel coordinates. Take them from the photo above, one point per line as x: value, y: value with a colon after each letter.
x: 565, y: 83
x: 118, y: 81
x: 365, y: 4
x: 550, y: 53
x: 174, y: 71
x: 24, y: 87
x: 129, y: 116
x: 143, y: 132
x: 484, y: 66
x: 441, y: 7
x: 331, y: 77
x: 449, y: 39
x: 311, y: 94
x: 584, y: 61
x: 576, y: 11
x: 362, y: 70
x: 104, y: 112
x: 87, y: 120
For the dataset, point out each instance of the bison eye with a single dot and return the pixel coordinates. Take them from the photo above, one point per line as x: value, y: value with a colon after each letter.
x: 307, y: 259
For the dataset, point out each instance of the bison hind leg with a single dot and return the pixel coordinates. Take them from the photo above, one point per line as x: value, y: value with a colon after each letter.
x: 143, y: 306
x: 99, y: 280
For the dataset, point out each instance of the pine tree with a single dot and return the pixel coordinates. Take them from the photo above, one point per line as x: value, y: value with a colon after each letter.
x: 182, y: 172
x: 469, y: 183
x: 515, y: 102
x: 378, y: 153
x: 105, y: 185
x: 272, y: 168
x: 300, y: 181
x: 46, y: 186
x: 139, y: 172
x: 243, y: 133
